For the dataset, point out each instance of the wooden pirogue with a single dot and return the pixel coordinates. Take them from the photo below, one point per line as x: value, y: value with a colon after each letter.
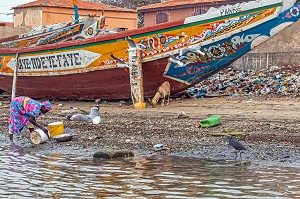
x: 135, y: 63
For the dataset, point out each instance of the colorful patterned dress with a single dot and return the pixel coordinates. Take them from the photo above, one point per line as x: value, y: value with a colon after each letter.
x: 21, y: 108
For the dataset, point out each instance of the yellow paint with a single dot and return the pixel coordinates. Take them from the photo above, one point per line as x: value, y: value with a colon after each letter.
x: 140, y: 105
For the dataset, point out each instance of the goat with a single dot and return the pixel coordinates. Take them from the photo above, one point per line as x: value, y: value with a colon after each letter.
x: 162, y: 92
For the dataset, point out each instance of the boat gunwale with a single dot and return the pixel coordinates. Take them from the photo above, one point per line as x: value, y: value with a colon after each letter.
x: 135, y: 33
x: 17, y: 37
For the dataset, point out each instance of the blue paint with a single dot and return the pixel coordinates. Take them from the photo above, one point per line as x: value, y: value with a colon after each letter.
x: 194, y: 72
x: 76, y: 12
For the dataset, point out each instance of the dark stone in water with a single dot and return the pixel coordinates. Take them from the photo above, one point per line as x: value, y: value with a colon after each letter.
x: 102, y: 155
x: 242, y: 163
x: 108, y: 155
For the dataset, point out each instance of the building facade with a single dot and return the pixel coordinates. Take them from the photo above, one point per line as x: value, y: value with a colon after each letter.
x: 173, y: 10
x: 43, y: 12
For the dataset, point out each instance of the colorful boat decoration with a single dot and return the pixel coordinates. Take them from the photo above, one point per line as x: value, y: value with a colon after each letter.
x: 42, y: 35
x: 135, y: 63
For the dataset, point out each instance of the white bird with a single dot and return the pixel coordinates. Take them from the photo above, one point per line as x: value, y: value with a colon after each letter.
x: 132, y: 44
x: 120, y: 63
x: 79, y: 117
x: 94, y: 111
x: 91, y: 117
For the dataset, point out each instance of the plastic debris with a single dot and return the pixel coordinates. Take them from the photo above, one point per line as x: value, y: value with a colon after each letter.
x: 283, y: 81
x: 212, y: 121
x: 182, y: 115
x: 158, y: 146
x: 249, y: 101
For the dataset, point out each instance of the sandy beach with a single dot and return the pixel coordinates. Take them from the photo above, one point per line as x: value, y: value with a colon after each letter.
x: 269, y: 128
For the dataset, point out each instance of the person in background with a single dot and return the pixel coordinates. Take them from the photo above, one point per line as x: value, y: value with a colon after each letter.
x: 23, y: 111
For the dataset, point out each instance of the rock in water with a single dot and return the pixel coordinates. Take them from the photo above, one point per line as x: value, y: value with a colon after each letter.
x: 108, y: 155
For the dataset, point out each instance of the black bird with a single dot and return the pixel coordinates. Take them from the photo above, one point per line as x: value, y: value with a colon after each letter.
x: 236, y: 145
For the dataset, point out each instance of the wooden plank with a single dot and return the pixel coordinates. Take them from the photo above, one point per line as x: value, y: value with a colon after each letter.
x: 14, y: 85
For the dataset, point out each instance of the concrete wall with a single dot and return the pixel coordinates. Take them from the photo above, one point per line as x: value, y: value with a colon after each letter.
x: 149, y: 19
x: 174, y: 15
x: 181, y: 12
x: 10, y: 31
x: 120, y: 20
x: 28, y: 17
x: 281, y: 49
x: 113, y: 19
x: 50, y: 15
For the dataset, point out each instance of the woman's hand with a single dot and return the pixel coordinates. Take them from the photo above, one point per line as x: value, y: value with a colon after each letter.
x: 11, y: 137
x: 33, y: 121
x: 44, y: 129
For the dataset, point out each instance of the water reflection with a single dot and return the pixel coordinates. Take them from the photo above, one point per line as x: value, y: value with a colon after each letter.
x: 26, y: 175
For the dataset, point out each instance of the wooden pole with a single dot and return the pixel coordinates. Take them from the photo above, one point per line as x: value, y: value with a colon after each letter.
x: 136, y: 77
x: 75, y: 9
x: 14, y: 85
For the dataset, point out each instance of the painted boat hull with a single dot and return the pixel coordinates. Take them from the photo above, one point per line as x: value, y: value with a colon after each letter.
x: 183, y: 52
x: 107, y: 84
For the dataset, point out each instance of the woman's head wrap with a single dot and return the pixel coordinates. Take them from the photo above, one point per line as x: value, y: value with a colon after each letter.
x: 46, y: 105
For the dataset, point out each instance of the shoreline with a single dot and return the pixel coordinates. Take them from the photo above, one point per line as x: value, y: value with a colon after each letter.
x: 269, y: 126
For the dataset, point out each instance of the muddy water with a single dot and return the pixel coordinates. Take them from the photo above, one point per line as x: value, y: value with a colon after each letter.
x: 27, y: 175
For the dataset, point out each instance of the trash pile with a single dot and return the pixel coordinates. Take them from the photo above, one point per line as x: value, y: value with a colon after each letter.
x: 284, y: 80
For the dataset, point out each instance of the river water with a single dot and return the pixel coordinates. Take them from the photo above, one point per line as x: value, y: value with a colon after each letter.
x: 27, y: 175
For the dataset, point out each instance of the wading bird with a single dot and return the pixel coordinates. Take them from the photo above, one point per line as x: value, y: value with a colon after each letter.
x: 236, y: 145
